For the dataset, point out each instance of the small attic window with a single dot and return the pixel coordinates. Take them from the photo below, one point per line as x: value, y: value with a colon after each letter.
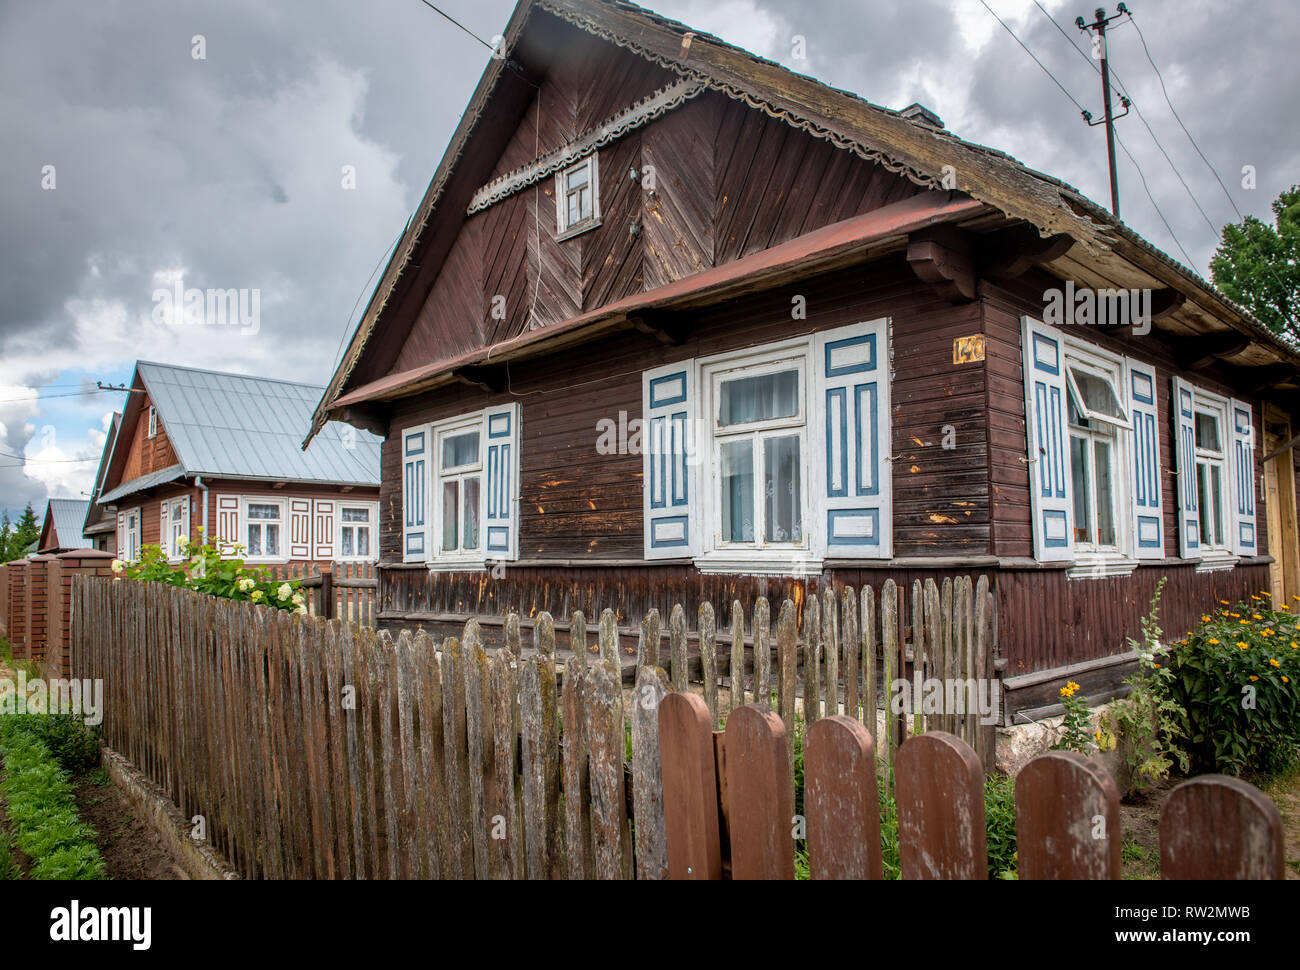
x: 153, y: 421
x: 577, y: 198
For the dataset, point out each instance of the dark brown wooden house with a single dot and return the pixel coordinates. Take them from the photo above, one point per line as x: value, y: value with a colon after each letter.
x: 674, y: 323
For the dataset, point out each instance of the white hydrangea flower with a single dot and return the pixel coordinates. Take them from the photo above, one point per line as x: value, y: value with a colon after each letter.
x: 284, y: 592
x: 245, y: 584
x: 117, y: 565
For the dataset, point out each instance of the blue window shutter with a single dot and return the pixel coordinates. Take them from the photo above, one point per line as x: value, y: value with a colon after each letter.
x: 415, y: 494
x: 501, y: 483
x: 1148, y: 522
x: 849, y: 439
x: 1047, y: 434
x: 1242, y: 459
x: 671, y: 494
x: 1189, y: 522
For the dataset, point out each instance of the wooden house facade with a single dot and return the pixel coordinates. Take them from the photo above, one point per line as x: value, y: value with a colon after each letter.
x: 673, y: 323
x: 203, y: 453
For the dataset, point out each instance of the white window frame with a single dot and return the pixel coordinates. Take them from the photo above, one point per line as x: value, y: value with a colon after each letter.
x: 177, y: 518
x: 563, y: 228
x: 1217, y: 555
x: 759, y: 555
x: 371, y: 525
x: 459, y: 473
x: 132, y: 537
x: 1092, y: 561
x: 247, y: 522
x: 153, y: 421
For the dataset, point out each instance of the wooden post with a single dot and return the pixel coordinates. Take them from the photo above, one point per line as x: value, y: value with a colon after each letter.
x: 737, y: 692
x: 677, y: 646
x: 812, y: 663
x: 709, y: 658
x: 762, y: 652
x: 787, y: 659
x: 326, y: 607
x: 1067, y: 819
x: 647, y: 774
x: 1216, y: 827
x: 759, y: 795
x: 841, y: 803
x: 690, y: 788
x: 940, y: 788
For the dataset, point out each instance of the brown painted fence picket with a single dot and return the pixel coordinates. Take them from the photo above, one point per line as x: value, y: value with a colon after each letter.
x: 1248, y: 827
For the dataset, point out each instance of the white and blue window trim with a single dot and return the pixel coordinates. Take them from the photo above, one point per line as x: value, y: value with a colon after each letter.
x: 460, y: 489
x: 772, y: 458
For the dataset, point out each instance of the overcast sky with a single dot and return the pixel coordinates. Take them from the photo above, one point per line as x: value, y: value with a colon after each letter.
x: 129, y: 162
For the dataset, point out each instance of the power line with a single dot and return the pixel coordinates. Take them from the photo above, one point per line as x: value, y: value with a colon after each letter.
x: 48, y: 397
x: 453, y: 20
x: 1083, y: 111
x: 24, y: 460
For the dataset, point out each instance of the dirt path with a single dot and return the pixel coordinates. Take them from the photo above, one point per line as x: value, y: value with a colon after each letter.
x: 129, y: 847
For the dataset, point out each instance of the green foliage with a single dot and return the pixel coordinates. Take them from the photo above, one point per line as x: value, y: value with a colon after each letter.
x: 72, y: 743
x: 16, y: 537
x: 205, y: 571
x: 1259, y: 266
x: 41, y: 809
x: 8, y: 868
x: 1000, y: 826
x: 1149, y: 717
x: 6, y: 651
x: 1235, y: 678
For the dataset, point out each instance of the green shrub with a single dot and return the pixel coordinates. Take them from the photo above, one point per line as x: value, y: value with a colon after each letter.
x: 72, y: 743
x: 1000, y: 826
x: 205, y: 571
x: 1235, y: 677
x: 42, y: 811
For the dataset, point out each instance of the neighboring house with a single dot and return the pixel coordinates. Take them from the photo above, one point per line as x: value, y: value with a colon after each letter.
x: 61, y: 529
x: 100, y: 525
x: 203, y: 449
x: 832, y: 319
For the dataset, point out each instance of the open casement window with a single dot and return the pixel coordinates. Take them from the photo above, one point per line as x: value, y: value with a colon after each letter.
x: 770, y: 459
x: 264, y: 529
x: 577, y: 198
x: 1216, y: 475
x: 1094, y: 454
x: 465, y: 472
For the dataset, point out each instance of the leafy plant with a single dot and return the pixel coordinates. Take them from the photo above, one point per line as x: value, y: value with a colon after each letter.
x: 1000, y: 826
x: 41, y: 809
x: 1235, y: 679
x: 73, y: 743
x: 205, y: 571
x: 1075, y: 732
x: 1149, y: 717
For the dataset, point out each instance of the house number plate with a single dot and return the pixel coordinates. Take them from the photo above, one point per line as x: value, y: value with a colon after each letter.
x: 967, y: 350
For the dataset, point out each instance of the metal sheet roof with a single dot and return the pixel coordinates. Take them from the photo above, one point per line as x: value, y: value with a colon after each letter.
x: 168, y: 474
x: 69, y: 514
x: 234, y: 426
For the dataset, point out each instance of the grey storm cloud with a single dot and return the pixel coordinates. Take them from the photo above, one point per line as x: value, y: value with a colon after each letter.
x: 228, y: 168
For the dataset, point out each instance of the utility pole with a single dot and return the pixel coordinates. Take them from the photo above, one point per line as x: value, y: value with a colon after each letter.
x: 1099, y: 51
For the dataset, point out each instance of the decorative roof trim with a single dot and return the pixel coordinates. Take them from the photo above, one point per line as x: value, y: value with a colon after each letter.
x: 628, y: 120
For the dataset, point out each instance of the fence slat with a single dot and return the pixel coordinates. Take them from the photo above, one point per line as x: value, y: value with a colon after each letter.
x: 577, y: 781
x: 709, y: 658
x: 478, y: 732
x: 437, y: 837
x: 1217, y: 827
x: 762, y: 652
x: 759, y: 795
x: 455, y: 760
x: 612, y: 845
x: 736, y: 691
x: 647, y: 779
x: 690, y: 787
x: 940, y: 791
x: 1067, y: 819
x: 841, y: 803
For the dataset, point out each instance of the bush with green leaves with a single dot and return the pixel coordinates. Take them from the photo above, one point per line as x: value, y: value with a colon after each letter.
x: 1235, y: 677
x: 73, y: 743
x: 205, y: 571
x: 41, y: 810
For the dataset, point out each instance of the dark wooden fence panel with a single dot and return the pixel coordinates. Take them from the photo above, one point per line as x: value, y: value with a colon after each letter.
x: 939, y: 785
x: 1247, y: 840
x: 1067, y: 819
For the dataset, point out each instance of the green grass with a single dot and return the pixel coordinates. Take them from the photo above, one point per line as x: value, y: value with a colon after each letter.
x: 8, y: 868
x: 42, y: 811
x: 6, y: 650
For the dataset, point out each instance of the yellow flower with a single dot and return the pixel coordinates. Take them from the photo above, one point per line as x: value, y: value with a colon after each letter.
x: 1225, y: 602
x: 1072, y: 685
x: 1274, y: 662
x: 1264, y: 592
x: 1294, y: 645
x: 1234, y: 615
x: 1205, y: 619
x: 1256, y: 616
x: 1157, y: 666
x: 1242, y: 644
x: 1253, y: 677
x: 1067, y: 692
x: 1296, y: 598
x: 1286, y: 679
x: 1214, y: 641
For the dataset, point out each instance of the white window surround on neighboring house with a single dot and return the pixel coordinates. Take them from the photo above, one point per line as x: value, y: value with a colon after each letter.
x: 460, y: 490
x: 307, y: 528
x: 577, y: 198
x: 357, y: 522
x: 771, y: 459
x: 1089, y: 409
x: 175, y: 527
x: 129, y: 534
x: 265, y: 532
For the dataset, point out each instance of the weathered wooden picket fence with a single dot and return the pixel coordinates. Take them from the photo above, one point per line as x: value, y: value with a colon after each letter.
x: 343, y: 590
x: 729, y: 807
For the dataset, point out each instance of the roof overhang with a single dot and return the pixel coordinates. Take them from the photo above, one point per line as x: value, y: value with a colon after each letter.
x: 832, y: 247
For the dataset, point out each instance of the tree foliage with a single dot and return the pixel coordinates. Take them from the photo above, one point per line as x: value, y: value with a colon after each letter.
x: 16, y: 537
x: 1258, y: 265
